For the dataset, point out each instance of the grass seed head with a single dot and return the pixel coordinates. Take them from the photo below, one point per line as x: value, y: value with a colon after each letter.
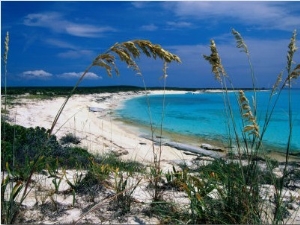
x: 240, y: 41
x: 215, y: 61
x: 292, y: 49
x: 6, y: 46
x: 251, y: 126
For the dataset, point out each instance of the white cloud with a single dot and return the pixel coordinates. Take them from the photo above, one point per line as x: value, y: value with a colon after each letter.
x: 83, y: 30
x: 75, y: 54
x: 267, y: 15
x: 179, y: 24
x: 72, y: 51
x: 36, y: 74
x: 37, y: 19
x: 149, y: 27
x: 139, y: 4
x: 60, y: 44
x: 89, y: 75
x: 57, y: 23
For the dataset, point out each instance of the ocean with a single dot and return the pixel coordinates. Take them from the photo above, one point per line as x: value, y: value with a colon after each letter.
x: 201, y: 115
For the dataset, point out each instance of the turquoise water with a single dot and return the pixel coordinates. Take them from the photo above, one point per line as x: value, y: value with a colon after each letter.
x: 202, y: 114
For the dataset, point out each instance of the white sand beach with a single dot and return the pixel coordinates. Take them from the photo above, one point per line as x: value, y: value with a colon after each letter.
x: 98, y: 131
x: 90, y: 118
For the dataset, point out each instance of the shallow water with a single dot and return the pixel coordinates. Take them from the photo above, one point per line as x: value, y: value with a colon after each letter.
x: 202, y: 115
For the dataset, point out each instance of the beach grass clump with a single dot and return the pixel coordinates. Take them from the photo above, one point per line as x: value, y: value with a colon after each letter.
x: 124, y: 186
x: 239, y: 197
x: 103, y: 166
x: 217, y: 196
x: 130, y: 166
x: 168, y: 212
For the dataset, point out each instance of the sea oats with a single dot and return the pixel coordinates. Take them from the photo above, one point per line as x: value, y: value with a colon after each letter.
x: 6, y: 44
x: 292, y: 49
x: 278, y: 80
x: 165, y: 75
x: 144, y: 46
x: 295, y: 73
x: 132, y: 48
x: 215, y: 61
x: 240, y: 42
x: 5, y: 56
x: 251, y: 125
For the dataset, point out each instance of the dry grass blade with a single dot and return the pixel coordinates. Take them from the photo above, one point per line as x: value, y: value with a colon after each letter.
x: 278, y: 80
x: 6, y: 44
x: 132, y: 48
x: 103, y: 64
x: 107, y: 62
x: 292, y: 50
x: 295, y: 73
x: 156, y: 50
x: 251, y: 124
x: 5, y: 56
x: 215, y: 61
x: 144, y: 46
x: 240, y: 41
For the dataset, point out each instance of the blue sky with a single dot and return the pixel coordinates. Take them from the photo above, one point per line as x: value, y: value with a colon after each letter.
x: 52, y: 42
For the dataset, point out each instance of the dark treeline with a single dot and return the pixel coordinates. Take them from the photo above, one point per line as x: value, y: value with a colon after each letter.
x: 63, y: 90
x: 57, y: 91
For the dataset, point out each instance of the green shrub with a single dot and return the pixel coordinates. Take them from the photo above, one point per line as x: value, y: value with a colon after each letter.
x: 20, y: 145
x: 70, y: 138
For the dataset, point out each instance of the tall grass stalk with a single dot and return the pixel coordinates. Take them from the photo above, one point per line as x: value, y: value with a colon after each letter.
x: 242, y: 45
x: 221, y: 76
x: 157, y: 154
x: 252, y: 135
x: 292, y: 74
x: 127, y: 52
x: 5, y: 57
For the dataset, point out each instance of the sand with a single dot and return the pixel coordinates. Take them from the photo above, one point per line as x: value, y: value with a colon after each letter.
x: 98, y: 130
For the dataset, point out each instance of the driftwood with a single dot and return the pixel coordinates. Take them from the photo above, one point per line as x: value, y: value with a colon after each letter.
x: 194, y: 149
x: 185, y: 147
x: 95, y: 109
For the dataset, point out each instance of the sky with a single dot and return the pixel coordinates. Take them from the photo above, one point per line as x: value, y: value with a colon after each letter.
x: 52, y: 42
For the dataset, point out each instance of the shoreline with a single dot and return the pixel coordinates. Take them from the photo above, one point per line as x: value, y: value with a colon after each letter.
x: 101, y: 131
x: 98, y: 131
x: 269, y: 150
